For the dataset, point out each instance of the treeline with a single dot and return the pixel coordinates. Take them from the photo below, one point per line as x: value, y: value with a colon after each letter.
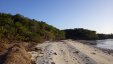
x: 105, y: 36
x: 85, y: 34
x: 20, y: 28
x: 80, y: 33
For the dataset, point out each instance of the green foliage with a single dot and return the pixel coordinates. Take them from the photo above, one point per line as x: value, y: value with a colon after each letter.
x: 80, y: 33
x: 20, y: 28
x: 105, y: 36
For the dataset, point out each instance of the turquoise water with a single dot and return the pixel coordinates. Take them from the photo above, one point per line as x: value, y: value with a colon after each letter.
x: 107, y: 44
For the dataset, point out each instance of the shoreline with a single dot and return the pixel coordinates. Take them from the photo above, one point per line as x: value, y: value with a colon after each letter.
x: 89, y: 43
x: 70, y: 52
x: 108, y: 51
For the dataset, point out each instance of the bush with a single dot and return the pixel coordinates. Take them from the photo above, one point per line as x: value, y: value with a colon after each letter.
x: 20, y: 28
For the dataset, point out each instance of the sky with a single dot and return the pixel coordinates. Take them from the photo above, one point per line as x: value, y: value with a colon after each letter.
x: 65, y: 14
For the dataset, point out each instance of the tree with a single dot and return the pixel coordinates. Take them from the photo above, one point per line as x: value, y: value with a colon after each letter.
x: 80, y: 33
x: 20, y: 28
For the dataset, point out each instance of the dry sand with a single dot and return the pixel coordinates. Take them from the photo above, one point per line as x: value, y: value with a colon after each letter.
x: 70, y: 52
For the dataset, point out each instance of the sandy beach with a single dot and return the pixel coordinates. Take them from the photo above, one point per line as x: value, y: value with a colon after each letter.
x: 69, y: 52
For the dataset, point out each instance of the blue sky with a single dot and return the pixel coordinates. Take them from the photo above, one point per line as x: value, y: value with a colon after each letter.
x: 64, y: 14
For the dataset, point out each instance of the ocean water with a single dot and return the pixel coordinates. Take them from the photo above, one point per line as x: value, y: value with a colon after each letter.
x: 107, y: 44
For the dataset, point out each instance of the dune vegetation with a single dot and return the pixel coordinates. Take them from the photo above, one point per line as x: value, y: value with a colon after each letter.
x: 20, y: 28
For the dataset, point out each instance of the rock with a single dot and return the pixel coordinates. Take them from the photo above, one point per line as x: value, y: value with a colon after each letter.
x: 76, y: 52
x: 55, y: 53
x: 93, y: 53
x: 52, y: 62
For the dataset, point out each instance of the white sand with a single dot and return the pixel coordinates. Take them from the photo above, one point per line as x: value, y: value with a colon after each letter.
x: 99, y: 56
x: 70, y: 52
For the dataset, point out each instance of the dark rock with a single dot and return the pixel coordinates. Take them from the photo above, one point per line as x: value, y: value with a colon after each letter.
x: 55, y: 53
x: 93, y: 53
x: 76, y: 52
x: 52, y: 62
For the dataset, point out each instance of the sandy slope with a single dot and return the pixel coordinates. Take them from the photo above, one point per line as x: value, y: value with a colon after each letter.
x: 70, y: 52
